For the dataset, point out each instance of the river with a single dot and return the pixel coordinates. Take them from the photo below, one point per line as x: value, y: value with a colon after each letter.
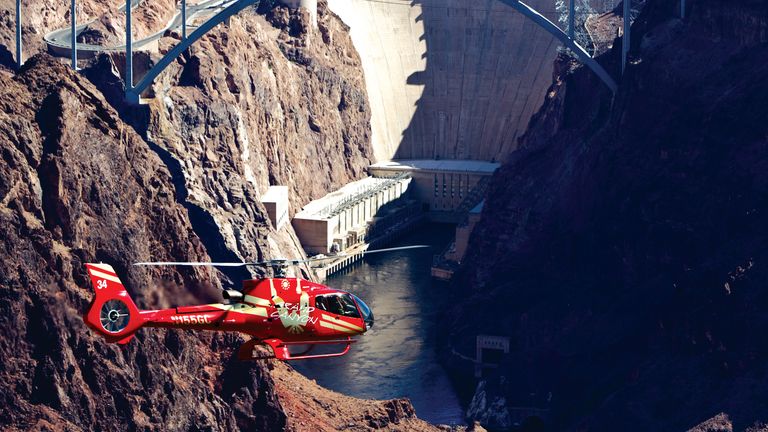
x: 396, y: 358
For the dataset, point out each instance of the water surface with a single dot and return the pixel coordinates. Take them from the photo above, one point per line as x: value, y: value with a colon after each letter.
x: 396, y: 358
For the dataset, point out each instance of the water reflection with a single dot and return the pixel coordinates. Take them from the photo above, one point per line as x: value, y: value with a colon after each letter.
x: 396, y: 358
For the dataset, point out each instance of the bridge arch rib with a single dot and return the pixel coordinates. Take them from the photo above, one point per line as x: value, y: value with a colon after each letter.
x: 133, y: 93
x: 555, y: 31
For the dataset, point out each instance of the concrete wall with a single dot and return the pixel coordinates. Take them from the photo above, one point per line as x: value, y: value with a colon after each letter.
x: 275, y: 201
x: 317, y: 234
x: 444, y: 191
x: 449, y: 79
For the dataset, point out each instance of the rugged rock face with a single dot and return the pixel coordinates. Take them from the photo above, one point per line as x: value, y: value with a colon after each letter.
x: 268, y: 100
x: 311, y: 407
x: 78, y: 185
x: 623, y: 248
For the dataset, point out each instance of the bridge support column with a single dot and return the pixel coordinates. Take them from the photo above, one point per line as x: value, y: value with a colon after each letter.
x: 183, y: 19
x: 130, y: 96
x: 625, y: 35
x: 19, y: 61
x: 73, y: 24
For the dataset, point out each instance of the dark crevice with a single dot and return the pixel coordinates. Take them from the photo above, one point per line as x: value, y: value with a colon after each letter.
x: 202, y: 222
x: 48, y: 117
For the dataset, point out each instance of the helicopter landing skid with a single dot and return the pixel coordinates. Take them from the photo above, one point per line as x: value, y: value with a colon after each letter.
x: 280, y: 349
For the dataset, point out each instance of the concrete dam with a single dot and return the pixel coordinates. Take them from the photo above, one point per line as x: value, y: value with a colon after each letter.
x: 451, y: 85
x: 449, y: 79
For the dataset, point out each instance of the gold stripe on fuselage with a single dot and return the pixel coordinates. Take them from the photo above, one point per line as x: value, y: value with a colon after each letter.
x: 340, y: 322
x: 242, y: 308
x: 328, y: 325
x: 256, y: 300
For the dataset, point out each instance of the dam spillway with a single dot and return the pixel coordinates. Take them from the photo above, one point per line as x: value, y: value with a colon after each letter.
x: 449, y: 79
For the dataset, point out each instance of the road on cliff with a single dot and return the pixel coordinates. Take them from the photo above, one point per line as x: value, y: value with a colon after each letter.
x: 61, y: 39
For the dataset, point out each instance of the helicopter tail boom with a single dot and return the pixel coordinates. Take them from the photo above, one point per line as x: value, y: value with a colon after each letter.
x: 112, y: 312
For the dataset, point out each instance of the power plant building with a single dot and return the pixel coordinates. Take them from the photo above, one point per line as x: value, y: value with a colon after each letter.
x: 348, y: 216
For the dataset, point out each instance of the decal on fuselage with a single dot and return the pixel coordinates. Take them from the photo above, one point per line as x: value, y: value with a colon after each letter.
x: 295, y: 317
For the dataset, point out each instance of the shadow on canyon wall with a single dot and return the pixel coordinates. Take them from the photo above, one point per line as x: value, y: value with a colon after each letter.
x: 487, y: 70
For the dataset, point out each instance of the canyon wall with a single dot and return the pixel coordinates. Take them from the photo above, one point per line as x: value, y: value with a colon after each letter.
x: 263, y: 100
x: 622, y: 248
x: 79, y: 185
x: 449, y: 79
x: 266, y: 100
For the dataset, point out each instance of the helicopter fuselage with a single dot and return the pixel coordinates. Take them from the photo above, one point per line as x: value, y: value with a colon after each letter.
x: 278, y: 312
x: 282, y: 308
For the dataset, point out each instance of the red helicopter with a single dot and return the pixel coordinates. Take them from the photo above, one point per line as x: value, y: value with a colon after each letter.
x: 279, y: 312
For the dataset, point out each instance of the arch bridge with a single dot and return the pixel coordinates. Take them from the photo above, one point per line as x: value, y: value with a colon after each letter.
x: 133, y: 92
x: 232, y: 7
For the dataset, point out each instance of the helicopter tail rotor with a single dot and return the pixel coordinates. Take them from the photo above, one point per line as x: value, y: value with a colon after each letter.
x: 111, y: 313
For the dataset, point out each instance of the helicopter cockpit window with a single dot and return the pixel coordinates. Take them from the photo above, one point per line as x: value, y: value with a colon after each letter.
x: 339, y: 304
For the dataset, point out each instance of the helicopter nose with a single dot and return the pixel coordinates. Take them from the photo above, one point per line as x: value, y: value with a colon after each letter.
x: 365, y: 311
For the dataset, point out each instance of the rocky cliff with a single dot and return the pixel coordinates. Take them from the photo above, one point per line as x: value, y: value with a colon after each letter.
x: 267, y: 100
x: 622, y: 249
x: 264, y: 100
x: 78, y: 185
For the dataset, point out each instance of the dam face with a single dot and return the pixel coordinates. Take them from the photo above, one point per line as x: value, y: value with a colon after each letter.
x: 449, y: 79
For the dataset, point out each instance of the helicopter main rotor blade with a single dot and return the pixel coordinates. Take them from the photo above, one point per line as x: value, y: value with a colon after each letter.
x: 196, y: 264
x: 367, y: 252
x: 283, y: 262
x: 395, y: 249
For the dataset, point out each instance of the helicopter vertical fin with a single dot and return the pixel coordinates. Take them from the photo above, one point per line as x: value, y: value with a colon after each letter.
x: 112, y: 312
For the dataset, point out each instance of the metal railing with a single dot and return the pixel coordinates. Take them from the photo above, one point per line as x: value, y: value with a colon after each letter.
x: 339, y: 206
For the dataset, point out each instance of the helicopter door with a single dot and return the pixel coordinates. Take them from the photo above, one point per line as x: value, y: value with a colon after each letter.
x: 338, y: 314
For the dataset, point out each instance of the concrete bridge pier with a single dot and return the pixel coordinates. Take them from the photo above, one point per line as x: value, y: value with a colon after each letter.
x: 130, y: 95
x: 73, y: 31
x: 19, y: 61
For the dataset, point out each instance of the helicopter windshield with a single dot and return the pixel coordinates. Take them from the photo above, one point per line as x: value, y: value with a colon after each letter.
x: 339, y: 304
x: 367, y: 313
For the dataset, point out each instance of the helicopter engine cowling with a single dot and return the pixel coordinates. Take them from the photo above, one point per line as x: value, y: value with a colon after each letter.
x: 233, y: 295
